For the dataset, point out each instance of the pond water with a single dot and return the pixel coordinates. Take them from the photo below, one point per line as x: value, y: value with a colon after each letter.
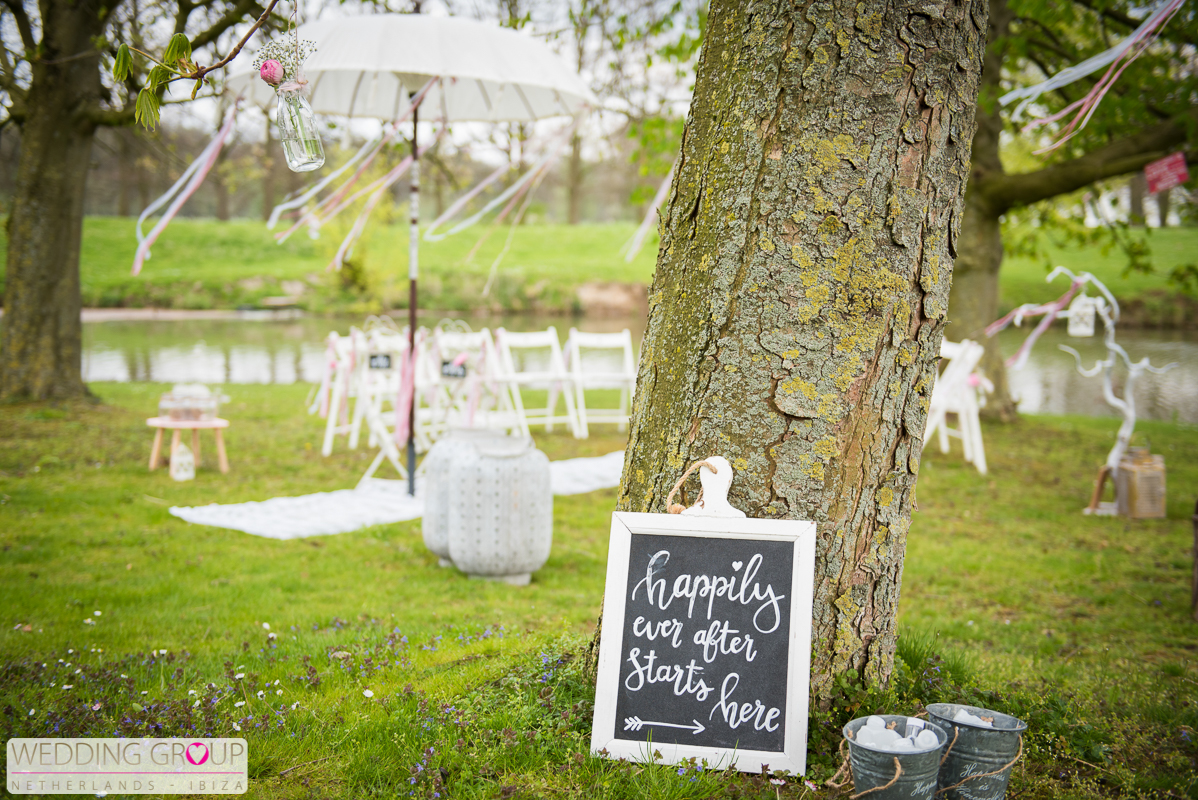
x: 278, y: 349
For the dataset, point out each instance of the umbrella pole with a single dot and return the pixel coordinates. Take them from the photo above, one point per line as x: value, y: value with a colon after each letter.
x: 413, y: 271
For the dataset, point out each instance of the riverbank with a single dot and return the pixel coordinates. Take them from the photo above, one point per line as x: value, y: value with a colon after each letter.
x: 547, y: 269
x: 383, y: 668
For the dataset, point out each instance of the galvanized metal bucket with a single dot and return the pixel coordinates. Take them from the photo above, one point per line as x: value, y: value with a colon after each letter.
x: 916, y: 772
x: 979, y: 759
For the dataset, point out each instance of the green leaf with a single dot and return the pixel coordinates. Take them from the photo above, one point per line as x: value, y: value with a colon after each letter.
x: 159, y: 76
x: 147, y: 109
x: 123, y: 63
x: 177, y: 49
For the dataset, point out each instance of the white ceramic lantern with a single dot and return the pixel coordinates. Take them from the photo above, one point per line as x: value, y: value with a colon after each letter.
x: 500, y: 520
x: 437, y: 482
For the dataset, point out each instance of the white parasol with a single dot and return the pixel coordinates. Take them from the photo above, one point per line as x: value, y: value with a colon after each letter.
x: 370, y: 66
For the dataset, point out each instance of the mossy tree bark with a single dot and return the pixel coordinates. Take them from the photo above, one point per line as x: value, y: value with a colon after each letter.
x: 802, y: 283
x: 41, y: 351
x: 50, y: 74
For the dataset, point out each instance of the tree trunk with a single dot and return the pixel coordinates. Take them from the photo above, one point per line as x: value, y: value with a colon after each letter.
x: 802, y: 284
x: 1162, y: 207
x: 268, y: 170
x: 575, y: 178
x: 1137, y: 186
x: 973, y: 303
x: 220, y: 188
x: 124, y: 203
x: 41, y: 351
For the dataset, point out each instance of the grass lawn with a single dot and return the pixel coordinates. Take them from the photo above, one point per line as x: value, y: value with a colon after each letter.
x: 201, y: 263
x: 207, y: 264
x: 1011, y: 599
x: 1148, y: 298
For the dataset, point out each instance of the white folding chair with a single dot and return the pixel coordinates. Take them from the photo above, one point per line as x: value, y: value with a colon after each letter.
x: 956, y: 392
x: 534, y: 361
x: 601, y: 361
x: 343, y: 385
x: 466, y: 386
x: 382, y: 367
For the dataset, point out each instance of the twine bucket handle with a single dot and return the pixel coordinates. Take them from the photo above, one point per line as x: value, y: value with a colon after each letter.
x: 998, y: 771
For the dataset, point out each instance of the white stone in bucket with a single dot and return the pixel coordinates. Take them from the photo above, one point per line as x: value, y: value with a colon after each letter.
x: 500, y: 524
x: 971, y: 719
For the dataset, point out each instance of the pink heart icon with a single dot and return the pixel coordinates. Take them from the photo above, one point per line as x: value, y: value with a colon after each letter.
x: 197, y: 753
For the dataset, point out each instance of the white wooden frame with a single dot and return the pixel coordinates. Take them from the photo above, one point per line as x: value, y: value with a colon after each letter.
x: 793, y: 756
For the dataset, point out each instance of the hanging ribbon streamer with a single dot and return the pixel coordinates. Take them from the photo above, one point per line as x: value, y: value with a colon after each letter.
x: 1118, y: 58
x: 1049, y: 310
x: 633, y: 245
x: 197, y: 171
x: 553, y: 150
x: 313, y: 217
x: 1070, y: 74
x: 347, y: 245
x: 430, y: 235
x: 278, y: 210
x: 528, y: 196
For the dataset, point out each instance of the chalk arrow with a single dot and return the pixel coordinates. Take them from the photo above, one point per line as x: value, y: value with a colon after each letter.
x: 636, y: 723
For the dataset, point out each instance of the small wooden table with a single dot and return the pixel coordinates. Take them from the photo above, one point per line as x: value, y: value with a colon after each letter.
x: 195, y: 426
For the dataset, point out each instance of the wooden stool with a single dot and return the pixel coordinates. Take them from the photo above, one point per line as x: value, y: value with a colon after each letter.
x: 217, y: 426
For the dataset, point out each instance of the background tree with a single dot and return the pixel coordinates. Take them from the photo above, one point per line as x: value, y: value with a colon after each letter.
x: 1149, y: 114
x: 803, y: 280
x: 52, y: 85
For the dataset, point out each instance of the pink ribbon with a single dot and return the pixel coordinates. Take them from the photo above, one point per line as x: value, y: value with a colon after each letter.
x: 143, y: 249
x: 1050, y: 312
x: 1088, y: 104
x: 340, y: 192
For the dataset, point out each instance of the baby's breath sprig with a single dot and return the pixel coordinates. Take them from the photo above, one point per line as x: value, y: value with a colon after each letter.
x: 289, y: 56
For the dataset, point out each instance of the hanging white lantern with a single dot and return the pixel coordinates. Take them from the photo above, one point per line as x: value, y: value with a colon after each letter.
x: 1081, y: 316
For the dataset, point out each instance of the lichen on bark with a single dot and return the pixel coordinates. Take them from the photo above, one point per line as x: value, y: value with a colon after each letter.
x: 799, y: 299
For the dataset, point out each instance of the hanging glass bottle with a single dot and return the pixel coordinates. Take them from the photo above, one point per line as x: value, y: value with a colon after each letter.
x: 280, y: 64
x: 297, y: 130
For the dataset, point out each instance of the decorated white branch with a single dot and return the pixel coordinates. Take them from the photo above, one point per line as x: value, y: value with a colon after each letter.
x: 1081, y: 314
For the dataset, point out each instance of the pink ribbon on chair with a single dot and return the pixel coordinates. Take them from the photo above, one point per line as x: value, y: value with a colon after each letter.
x: 326, y: 382
x: 406, y: 394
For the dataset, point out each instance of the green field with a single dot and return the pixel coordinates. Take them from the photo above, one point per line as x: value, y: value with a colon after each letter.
x: 1011, y: 599
x: 206, y: 264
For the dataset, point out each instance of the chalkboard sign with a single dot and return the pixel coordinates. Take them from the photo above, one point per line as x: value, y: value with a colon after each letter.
x: 452, y: 370
x: 380, y: 361
x: 706, y: 641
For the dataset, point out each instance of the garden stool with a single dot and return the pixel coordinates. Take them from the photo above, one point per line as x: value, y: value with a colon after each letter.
x: 176, y: 426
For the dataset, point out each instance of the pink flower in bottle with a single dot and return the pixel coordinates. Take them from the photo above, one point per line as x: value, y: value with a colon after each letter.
x: 271, y: 72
